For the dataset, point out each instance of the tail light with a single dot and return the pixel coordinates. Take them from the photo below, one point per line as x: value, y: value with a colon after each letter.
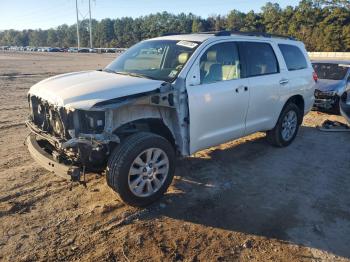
x: 315, y: 76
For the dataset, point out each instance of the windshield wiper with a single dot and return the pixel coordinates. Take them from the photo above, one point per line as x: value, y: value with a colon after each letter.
x: 136, y: 75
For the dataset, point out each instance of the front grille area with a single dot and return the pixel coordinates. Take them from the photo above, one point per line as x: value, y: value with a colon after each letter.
x: 52, y: 120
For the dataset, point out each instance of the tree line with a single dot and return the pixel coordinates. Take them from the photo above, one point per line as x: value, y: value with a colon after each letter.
x: 323, y: 25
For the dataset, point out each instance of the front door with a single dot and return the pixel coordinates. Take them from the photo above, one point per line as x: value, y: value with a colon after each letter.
x: 218, y: 105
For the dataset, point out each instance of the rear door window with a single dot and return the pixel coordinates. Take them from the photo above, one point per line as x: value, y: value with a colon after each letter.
x: 294, y: 58
x: 260, y: 59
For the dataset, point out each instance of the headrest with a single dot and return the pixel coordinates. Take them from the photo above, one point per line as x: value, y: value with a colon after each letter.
x: 211, y: 56
x: 182, y: 58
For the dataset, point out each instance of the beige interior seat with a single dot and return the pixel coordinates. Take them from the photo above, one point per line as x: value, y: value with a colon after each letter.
x: 229, y: 72
x: 211, y: 59
x: 224, y: 68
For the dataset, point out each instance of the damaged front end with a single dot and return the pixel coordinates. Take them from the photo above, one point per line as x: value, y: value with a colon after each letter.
x: 326, y: 99
x: 67, y: 141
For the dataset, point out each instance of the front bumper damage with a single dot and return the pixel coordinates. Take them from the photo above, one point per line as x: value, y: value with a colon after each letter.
x: 46, y: 160
x: 51, y: 152
x: 326, y: 100
x: 78, y: 143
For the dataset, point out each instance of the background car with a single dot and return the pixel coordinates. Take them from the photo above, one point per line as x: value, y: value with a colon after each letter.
x: 53, y: 49
x: 83, y: 50
x: 72, y: 50
x: 333, y: 77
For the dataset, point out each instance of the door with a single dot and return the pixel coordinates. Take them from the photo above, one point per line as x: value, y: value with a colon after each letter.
x: 263, y: 73
x: 218, y: 104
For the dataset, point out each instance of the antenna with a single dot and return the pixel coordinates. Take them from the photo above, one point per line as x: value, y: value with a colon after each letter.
x: 90, y: 24
x: 76, y: 8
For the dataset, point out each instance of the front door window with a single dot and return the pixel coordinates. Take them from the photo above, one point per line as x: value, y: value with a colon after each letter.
x: 220, y: 63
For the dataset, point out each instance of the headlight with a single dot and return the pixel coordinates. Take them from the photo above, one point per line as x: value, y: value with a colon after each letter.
x: 55, y: 122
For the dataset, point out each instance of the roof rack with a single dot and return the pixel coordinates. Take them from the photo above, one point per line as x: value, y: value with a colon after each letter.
x: 228, y: 33
x: 262, y: 34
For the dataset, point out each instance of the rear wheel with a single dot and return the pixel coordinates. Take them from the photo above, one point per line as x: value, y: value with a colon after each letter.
x: 287, y: 126
x: 141, y: 168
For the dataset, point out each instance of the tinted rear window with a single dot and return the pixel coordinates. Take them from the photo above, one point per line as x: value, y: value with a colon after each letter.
x: 330, y: 71
x: 260, y: 59
x: 293, y: 56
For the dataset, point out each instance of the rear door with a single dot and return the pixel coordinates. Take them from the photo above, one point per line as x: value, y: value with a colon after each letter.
x: 218, y: 103
x: 265, y: 79
x: 299, y: 73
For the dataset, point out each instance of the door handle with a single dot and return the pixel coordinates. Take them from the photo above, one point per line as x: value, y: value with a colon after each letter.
x: 245, y: 88
x: 284, y: 81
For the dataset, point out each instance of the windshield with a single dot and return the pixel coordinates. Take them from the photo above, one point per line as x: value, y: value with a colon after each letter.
x: 154, y: 59
x: 330, y: 71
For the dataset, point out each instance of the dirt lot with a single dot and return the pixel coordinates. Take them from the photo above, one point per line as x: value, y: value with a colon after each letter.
x: 241, y: 201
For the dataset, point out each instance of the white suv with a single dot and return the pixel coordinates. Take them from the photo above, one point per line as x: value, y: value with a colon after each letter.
x: 168, y: 96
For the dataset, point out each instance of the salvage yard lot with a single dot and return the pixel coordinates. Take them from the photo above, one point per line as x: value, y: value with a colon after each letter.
x: 243, y: 200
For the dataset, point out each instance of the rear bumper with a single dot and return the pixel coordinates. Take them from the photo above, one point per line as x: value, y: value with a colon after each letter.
x: 46, y: 160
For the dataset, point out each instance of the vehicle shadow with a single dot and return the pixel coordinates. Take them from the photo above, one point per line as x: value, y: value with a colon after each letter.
x: 297, y: 194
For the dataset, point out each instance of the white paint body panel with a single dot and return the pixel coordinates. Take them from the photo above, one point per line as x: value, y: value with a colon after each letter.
x: 217, y: 112
x: 218, y: 115
x: 264, y: 105
x: 82, y: 90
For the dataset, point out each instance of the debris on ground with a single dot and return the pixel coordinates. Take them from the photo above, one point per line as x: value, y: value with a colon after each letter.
x: 334, y: 126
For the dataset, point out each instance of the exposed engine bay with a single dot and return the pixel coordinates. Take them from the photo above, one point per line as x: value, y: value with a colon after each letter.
x: 62, y: 133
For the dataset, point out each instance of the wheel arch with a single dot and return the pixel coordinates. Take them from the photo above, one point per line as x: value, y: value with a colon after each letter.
x: 153, y: 125
x: 298, y: 100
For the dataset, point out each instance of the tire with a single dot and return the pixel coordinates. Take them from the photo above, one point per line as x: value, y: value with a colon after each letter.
x: 276, y: 136
x: 129, y: 173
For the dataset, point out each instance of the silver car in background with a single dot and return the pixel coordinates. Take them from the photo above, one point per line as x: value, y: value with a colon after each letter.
x: 333, y: 78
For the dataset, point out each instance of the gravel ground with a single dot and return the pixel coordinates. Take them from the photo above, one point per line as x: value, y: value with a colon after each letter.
x: 243, y: 200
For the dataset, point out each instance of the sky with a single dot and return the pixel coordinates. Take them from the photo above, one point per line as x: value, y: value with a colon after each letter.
x: 44, y: 14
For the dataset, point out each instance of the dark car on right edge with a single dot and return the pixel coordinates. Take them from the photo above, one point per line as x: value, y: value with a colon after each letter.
x: 333, y: 78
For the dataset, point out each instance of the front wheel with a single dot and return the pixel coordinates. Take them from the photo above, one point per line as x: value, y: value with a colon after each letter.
x: 287, y: 126
x: 141, y: 168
